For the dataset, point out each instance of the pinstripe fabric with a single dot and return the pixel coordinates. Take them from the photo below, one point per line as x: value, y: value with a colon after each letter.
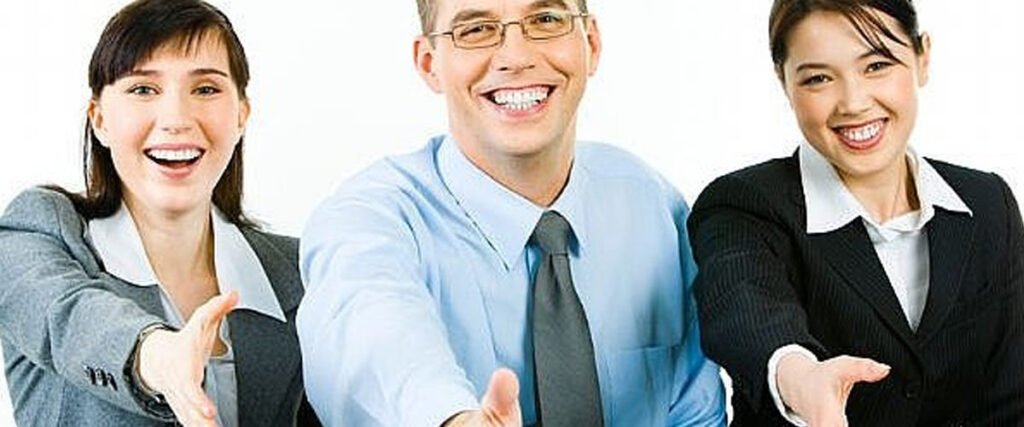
x: 764, y: 283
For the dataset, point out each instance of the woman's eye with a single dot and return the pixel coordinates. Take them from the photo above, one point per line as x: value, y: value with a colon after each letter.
x: 815, y: 80
x: 207, y: 90
x: 142, y: 90
x: 878, y: 66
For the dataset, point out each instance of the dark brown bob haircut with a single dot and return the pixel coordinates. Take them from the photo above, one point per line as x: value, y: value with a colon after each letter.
x: 130, y: 38
x: 428, y: 13
x: 862, y: 14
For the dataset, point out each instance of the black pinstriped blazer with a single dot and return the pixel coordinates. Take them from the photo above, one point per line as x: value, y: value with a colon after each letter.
x: 763, y: 282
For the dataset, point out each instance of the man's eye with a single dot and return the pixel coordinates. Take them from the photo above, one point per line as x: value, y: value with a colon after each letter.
x: 548, y: 18
x: 476, y: 30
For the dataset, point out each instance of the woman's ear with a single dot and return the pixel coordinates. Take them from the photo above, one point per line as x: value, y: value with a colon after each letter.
x: 95, y: 113
x: 244, y: 108
x: 924, y: 59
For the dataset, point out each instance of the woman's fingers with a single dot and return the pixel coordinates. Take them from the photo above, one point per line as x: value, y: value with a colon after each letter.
x: 212, y: 312
x: 186, y: 411
x: 180, y: 360
x: 204, y: 326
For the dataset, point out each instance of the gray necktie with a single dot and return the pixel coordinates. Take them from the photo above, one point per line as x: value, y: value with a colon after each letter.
x: 566, y: 376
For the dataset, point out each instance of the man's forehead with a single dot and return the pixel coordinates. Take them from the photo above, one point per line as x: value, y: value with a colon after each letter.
x: 448, y: 9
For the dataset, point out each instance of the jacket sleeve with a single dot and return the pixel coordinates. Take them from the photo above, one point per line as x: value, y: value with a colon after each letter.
x: 1003, y: 403
x: 60, y: 315
x: 746, y: 292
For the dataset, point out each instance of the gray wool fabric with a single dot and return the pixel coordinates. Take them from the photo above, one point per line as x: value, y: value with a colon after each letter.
x: 68, y: 328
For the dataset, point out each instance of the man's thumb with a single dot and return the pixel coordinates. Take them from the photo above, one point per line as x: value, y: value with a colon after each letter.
x: 502, y: 397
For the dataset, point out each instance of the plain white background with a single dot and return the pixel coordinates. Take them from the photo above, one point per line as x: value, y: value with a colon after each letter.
x: 687, y: 85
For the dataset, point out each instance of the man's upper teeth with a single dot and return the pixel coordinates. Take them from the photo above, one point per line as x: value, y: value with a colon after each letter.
x: 519, y: 98
x: 863, y: 133
x: 175, y: 155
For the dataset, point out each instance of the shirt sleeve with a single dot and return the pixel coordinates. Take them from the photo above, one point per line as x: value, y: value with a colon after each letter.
x: 59, y: 314
x: 374, y: 348
x: 701, y: 397
x: 773, y: 385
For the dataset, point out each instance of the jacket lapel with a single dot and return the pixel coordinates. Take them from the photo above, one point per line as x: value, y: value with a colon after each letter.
x: 950, y: 242
x: 267, y: 358
x: 266, y: 363
x: 850, y: 253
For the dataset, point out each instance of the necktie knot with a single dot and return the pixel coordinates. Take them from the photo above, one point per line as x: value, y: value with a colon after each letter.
x: 552, y: 233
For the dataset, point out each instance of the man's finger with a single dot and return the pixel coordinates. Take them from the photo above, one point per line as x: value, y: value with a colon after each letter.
x: 502, y: 397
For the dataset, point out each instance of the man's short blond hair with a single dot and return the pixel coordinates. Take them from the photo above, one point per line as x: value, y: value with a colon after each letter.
x: 428, y: 13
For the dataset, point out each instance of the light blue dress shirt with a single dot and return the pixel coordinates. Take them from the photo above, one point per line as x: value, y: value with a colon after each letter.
x: 419, y: 271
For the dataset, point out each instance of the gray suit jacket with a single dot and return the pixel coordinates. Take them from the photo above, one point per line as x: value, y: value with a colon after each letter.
x: 68, y: 328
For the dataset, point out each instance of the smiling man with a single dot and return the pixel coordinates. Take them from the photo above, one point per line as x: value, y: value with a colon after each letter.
x: 505, y: 274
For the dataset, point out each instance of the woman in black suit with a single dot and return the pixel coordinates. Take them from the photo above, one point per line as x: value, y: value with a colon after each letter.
x: 856, y: 281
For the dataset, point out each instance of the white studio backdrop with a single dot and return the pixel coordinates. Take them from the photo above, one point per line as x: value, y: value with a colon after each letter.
x: 687, y: 85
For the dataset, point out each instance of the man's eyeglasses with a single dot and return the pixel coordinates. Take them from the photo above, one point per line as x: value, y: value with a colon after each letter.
x: 488, y: 33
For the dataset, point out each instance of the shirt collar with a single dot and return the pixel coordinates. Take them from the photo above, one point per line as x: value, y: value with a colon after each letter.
x: 119, y: 247
x: 505, y: 218
x: 830, y: 205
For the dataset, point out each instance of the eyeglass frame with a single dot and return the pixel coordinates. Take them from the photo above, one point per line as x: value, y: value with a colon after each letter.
x: 504, y: 28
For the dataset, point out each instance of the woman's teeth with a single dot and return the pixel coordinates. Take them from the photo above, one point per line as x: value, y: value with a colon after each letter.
x: 185, y: 155
x: 862, y: 133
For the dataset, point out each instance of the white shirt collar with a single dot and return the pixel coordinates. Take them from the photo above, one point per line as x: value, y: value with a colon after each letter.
x: 119, y: 247
x: 830, y: 205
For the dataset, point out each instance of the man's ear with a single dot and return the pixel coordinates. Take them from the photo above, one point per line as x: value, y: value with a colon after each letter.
x: 423, y: 54
x: 95, y: 114
x: 593, y: 34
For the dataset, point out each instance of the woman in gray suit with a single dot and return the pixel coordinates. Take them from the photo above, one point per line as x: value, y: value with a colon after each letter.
x: 113, y: 301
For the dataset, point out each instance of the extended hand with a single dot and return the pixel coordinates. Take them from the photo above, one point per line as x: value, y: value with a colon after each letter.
x: 173, y: 363
x: 817, y: 391
x: 500, y: 406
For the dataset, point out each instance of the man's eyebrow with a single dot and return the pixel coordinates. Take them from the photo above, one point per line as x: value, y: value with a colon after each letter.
x: 549, y: 4
x: 472, y: 14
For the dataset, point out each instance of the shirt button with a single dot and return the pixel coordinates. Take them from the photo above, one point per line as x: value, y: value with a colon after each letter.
x: 912, y: 390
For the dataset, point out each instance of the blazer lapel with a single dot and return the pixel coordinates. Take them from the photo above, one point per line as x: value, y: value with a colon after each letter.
x: 147, y: 297
x: 266, y: 363
x: 950, y: 242
x: 850, y: 253
x: 267, y: 358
